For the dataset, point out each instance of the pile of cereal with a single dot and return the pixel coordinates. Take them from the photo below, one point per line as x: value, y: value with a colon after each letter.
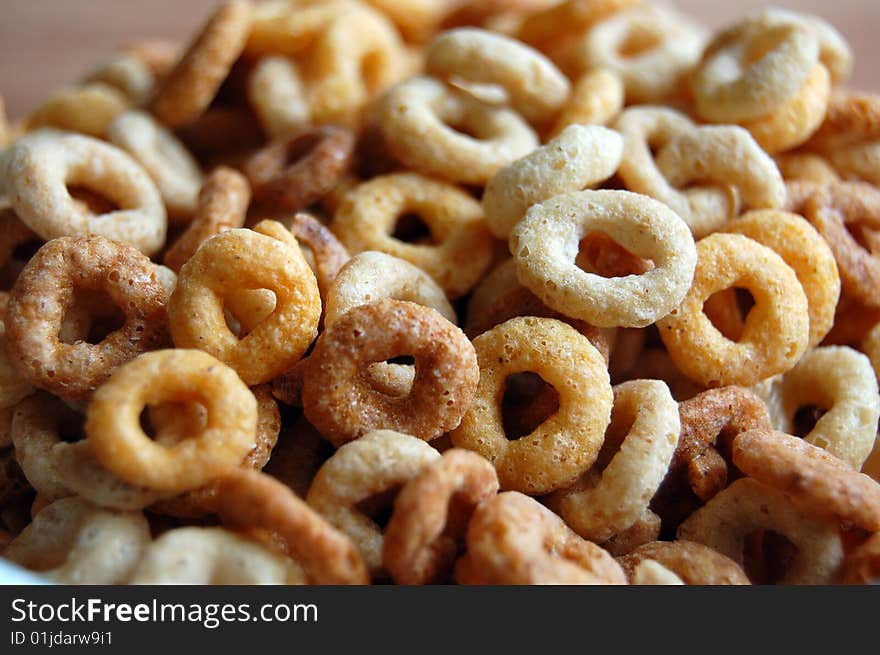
x: 432, y: 291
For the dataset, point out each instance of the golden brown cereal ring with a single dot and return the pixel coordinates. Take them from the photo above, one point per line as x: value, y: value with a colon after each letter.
x: 120, y: 444
x: 48, y: 285
x: 752, y: 68
x: 792, y: 123
x: 862, y: 566
x: 818, y: 481
x: 542, y: 28
x: 188, y: 89
x: 41, y: 168
x: 852, y: 118
x: 747, y: 506
x: 248, y: 498
x: 283, y: 28
x: 535, y: 87
x: 513, y: 539
x: 802, y: 166
x: 290, y: 175
x: 87, y: 109
x: 323, y: 251
x: 244, y: 259
x: 128, y: 74
x: 645, y: 529
x: 342, y: 404
x: 460, y: 249
x: 278, y: 97
x: 568, y: 442
x: 776, y: 330
x: 212, y: 556
x: 378, y: 463
x: 840, y: 380
x: 545, y: 241
x: 166, y: 160
x: 74, y: 542
x: 579, y: 157
x: 430, y: 515
x: 416, y: 118
x: 807, y: 253
x: 222, y: 204
x: 417, y: 20
x: 693, y: 562
x: 596, y: 99
x: 603, y: 503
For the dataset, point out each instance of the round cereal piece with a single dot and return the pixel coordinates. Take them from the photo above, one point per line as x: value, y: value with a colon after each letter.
x: 291, y: 174
x: 250, y: 499
x: 88, y: 109
x: 752, y: 68
x: 817, y: 480
x: 284, y: 28
x: 747, y: 506
x: 603, y: 504
x: 545, y: 241
x: 776, y: 330
x: 222, y: 204
x: 581, y: 156
x: 534, y: 86
x: 324, y: 253
x: 514, y: 540
x: 542, y: 28
x: 41, y: 170
x: 809, y: 256
x: 244, y: 259
x: 74, y: 542
x: 596, y: 98
x: 852, y: 118
x: 430, y: 515
x: 651, y: 573
x: 373, y: 467
x: 791, y: 124
x: 460, y: 249
x: 693, y: 562
x: 862, y: 565
x: 651, y: 48
x: 371, y: 276
x: 568, y: 442
x: 212, y: 556
x: 128, y: 74
x: 278, y: 96
x: 170, y: 165
x: 342, y: 404
x: 193, y: 83
x: 120, y: 444
x: 841, y: 380
x: 418, y: 120
x: 48, y: 286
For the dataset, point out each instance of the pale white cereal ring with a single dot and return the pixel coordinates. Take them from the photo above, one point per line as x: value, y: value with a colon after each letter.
x: 278, y: 97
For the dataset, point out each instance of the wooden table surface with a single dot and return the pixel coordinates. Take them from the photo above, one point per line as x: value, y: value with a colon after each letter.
x: 47, y: 43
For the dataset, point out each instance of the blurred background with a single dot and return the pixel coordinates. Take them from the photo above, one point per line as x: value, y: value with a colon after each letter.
x: 47, y: 43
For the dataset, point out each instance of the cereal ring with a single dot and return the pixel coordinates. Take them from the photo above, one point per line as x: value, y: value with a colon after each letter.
x: 535, y: 87
x: 776, y: 330
x: 806, y: 253
x: 862, y: 566
x: 802, y: 166
x: 88, y: 109
x: 649, y: 572
x: 323, y: 251
x: 221, y: 204
x: 542, y: 28
x: 191, y: 86
x: 792, y: 123
x: 48, y: 285
x: 460, y: 249
x: 545, y: 241
x: 120, y: 444
x: 276, y: 93
x: 244, y: 259
x: 603, y: 504
x: 374, y: 466
x: 579, y: 157
x: 514, y: 540
x: 343, y: 405
x: 747, y: 506
x: 282, y: 28
x: 693, y: 562
x: 820, y: 482
x: 568, y: 442
x: 841, y: 380
x: 166, y: 160
x: 418, y: 120
x: 290, y: 175
x: 74, y: 542
x: 645, y: 529
x: 752, y: 68
x: 417, y: 20
x: 430, y: 515
x: 212, y: 556
x: 248, y: 498
x: 596, y: 98
x: 128, y: 74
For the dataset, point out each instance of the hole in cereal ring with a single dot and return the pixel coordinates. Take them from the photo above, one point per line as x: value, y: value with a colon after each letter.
x: 91, y: 318
x: 380, y: 506
x: 171, y: 422
x: 767, y: 556
x: 92, y: 201
x: 601, y: 255
x: 403, y: 360
x: 805, y: 419
x: 528, y: 401
x: 410, y: 228
x: 639, y: 41
x: 728, y: 309
x: 297, y: 148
